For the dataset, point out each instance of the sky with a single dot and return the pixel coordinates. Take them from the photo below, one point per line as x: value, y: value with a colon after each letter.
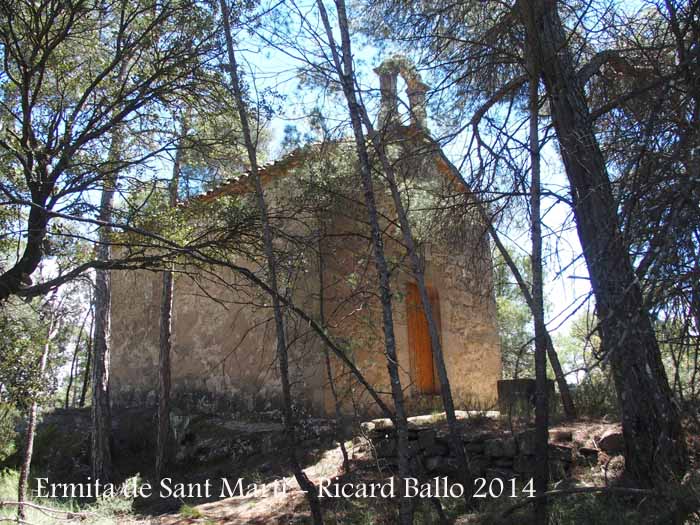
x: 566, y: 280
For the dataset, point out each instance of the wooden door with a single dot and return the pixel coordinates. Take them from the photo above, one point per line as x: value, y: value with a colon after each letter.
x: 423, y: 371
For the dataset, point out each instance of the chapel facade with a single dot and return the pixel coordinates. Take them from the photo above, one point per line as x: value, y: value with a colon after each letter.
x: 224, y: 354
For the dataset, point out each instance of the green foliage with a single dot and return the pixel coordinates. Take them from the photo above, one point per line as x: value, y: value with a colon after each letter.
x: 22, y: 338
x: 514, y: 320
x: 189, y: 512
x: 595, y: 396
x: 594, y: 391
x: 9, y: 417
x: 106, y: 511
x: 608, y: 509
x: 680, y: 347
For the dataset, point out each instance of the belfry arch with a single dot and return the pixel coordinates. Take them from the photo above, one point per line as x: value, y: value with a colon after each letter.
x: 388, y: 72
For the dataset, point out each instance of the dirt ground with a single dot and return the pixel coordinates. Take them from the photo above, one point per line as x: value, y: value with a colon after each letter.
x: 289, y: 506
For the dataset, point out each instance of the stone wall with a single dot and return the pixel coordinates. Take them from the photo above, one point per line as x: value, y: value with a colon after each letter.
x: 491, y: 451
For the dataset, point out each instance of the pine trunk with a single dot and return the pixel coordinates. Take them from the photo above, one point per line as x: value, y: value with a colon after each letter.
x: 31, y: 428
x: 163, y: 445
x: 564, y: 391
x: 327, y: 357
x: 74, y: 362
x: 101, y: 410
x: 345, y: 73
x: 304, y: 482
x: 541, y: 394
x: 655, y: 447
x: 87, y: 373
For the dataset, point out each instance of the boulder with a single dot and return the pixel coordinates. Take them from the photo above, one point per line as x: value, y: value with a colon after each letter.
x: 436, y: 449
x: 559, y: 470
x: 502, y: 447
x: 561, y: 453
x: 441, y: 464
x: 480, y: 437
x: 526, y: 442
x: 612, y: 442
x: 478, y: 465
x: 419, y: 422
x: 500, y: 473
x: 426, y: 438
x: 561, y: 435
x: 588, y: 455
x: 503, y: 462
x: 524, y: 464
x: 474, y: 448
x: 468, y: 519
x: 385, y: 448
x: 378, y: 424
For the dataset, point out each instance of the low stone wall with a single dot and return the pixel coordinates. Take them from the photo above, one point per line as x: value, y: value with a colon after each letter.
x: 491, y: 451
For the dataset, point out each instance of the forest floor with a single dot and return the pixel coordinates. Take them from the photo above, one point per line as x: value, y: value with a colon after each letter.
x: 291, y: 507
x: 323, y: 463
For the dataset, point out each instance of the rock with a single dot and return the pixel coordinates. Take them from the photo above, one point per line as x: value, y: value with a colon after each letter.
x: 474, y: 448
x: 689, y: 490
x: 385, y: 448
x: 526, y: 442
x: 612, y: 442
x: 561, y: 435
x: 212, y: 449
x: 419, y: 422
x: 391, y: 461
x: 480, y: 437
x: 413, y: 448
x: 561, y: 453
x: 524, y: 464
x: 588, y: 455
x: 478, y: 464
x: 501, y: 473
x: 378, y: 424
x: 504, y: 462
x: 558, y: 469
x: 426, y: 439
x: 468, y: 519
x: 441, y: 464
x: 367, y: 426
x: 504, y: 447
x: 380, y: 434
x: 437, y: 449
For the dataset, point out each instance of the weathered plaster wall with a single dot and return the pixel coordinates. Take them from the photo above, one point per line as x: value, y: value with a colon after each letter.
x: 224, y: 341
x: 224, y: 348
x: 460, y: 269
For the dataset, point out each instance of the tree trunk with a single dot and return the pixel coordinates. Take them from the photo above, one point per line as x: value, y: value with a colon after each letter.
x: 17, y: 276
x: 74, y: 361
x: 418, y: 270
x: 88, y: 360
x: 26, y: 461
x: 345, y: 73
x: 101, y: 411
x: 564, y: 391
x: 655, y: 447
x: 71, y: 375
x: 327, y: 356
x: 163, y: 445
x: 541, y: 393
x: 282, y: 357
x: 31, y: 427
